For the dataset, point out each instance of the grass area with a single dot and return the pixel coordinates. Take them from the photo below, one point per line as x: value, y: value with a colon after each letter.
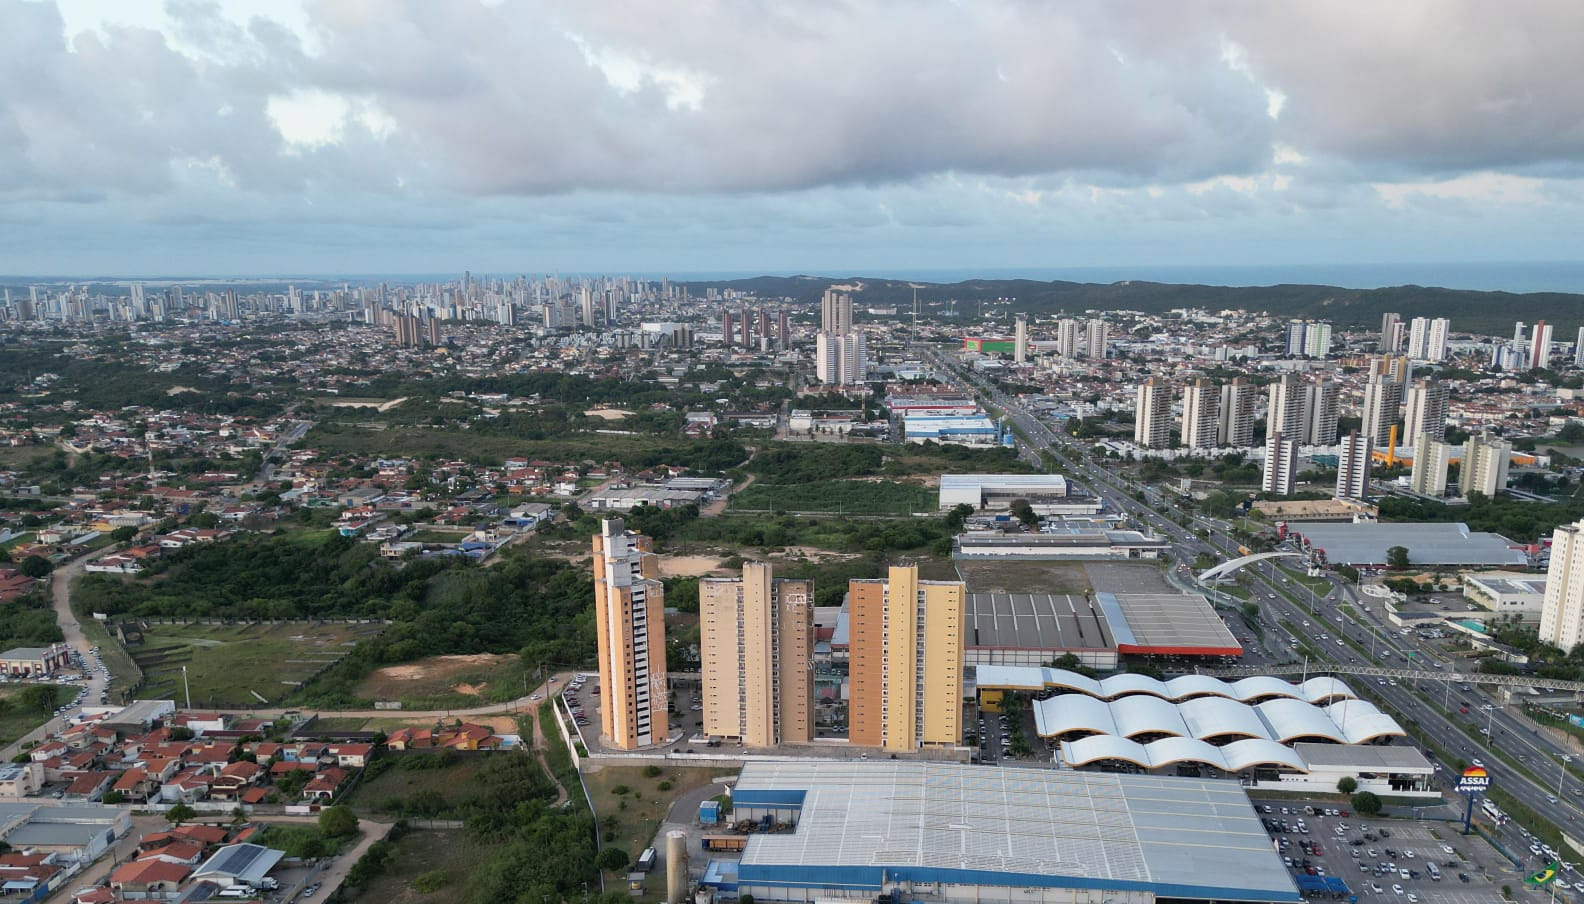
x: 631, y: 820
x: 853, y: 497
x: 1024, y: 577
x: 435, y: 535
x: 408, y: 441
x: 240, y: 664
x: 18, y: 540
x: 333, y: 723
x: 386, y: 792
x: 440, y: 682
x: 450, y: 853
x: 124, y: 671
x: 16, y: 721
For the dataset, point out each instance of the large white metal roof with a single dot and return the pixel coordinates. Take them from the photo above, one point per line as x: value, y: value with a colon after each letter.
x: 879, y: 821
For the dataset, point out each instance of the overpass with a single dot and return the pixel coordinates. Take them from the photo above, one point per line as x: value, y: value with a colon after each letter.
x: 1226, y: 568
x: 1402, y: 674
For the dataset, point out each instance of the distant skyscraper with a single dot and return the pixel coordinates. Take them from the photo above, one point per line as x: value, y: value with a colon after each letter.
x: 841, y: 353
x: 836, y: 312
x: 1285, y: 413
x: 629, y: 625
x: 1425, y: 411
x: 906, y: 661
x: 1237, y: 414
x: 756, y: 642
x: 1382, y: 402
x: 1201, y: 419
x: 1295, y: 337
x: 1578, y: 349
x: 1152, y: 419
x: 1317, y: 340
x: 1321, y: 412
x: 1432, y: 458
x: 1390, y: 334
x: 728, y: 328
x: 1427, y: 338
x: 1353, y: 466
x: 1067, y: 331
x: 1095, y: 336
x: 1281, y: 466
x: 1540, y: 346
x: 1020, y: 341
x: 1562, y: 613
x: 1485, y: 462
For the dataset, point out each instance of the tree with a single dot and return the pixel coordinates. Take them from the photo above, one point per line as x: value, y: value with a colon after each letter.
x: 36, y: 567
x: 337, y: 822
x: 613, y: 859
x: 112, y: 797
x: 180, y: 814
x: 1024, y: 512
x: 1366, y: 803
x: 958, y: 516
x: 123, y: 534
x: 1347, y: 784
x: 1397, y: 557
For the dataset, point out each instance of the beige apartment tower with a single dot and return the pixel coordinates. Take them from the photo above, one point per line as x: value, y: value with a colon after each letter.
x: 906, y: 662
x: 629, y: 620
x: 756, y: 640
x: 1201, y: 414
x: 1562, y: 614
x: 1152, y: 418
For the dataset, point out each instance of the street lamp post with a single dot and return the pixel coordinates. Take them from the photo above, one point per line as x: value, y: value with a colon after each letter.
x: 1562, y: 773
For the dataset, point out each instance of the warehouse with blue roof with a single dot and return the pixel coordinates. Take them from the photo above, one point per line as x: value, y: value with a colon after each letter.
x: 949, y: 832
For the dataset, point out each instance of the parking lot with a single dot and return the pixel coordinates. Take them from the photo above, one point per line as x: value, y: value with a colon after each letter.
x: 1391, y: 859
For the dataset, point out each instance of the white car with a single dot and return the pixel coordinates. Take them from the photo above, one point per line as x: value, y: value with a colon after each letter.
x: 1397, y: 889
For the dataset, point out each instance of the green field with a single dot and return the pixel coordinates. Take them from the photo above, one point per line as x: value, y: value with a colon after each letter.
x: 452, y: 852
x: 232, y: 663
x: 15, y: 721
x: 852, y: 497
x: 389, y: 791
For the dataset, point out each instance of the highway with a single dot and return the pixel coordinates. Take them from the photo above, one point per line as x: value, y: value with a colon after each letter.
x: 1320, y: 615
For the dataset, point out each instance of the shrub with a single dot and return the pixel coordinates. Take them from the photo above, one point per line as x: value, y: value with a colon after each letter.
x: 432, y: 881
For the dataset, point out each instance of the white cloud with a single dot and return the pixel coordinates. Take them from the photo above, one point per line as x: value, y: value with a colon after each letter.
x: 309, y: 118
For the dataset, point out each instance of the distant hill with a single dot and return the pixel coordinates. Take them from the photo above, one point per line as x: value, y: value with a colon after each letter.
x: 1486, y: 313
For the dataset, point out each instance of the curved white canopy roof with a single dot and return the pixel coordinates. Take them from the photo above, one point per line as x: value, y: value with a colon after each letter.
x: 1183, y: 687
x: 1283, y: 720
x: 1234, y: 757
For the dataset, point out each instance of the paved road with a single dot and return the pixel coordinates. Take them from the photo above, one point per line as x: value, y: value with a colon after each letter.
x: 1281, y: 597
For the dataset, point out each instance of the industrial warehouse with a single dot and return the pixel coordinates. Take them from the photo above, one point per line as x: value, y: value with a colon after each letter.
x: 927, y: 831
x: 1030, y: 629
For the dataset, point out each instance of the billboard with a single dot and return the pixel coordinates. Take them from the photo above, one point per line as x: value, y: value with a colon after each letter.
x: 1474, y: 778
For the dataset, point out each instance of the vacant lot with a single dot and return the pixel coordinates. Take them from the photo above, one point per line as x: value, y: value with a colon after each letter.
x: 16, y: 720
x: 1024, y: 577
x: 239, y: 664
x: 646, y: 804
x: 452, y: 783
x: 471, y: 679
x: 851, y: 497
x: 451, y: 852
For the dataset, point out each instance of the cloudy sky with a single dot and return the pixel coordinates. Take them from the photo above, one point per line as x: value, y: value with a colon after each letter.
x: 359, y: 136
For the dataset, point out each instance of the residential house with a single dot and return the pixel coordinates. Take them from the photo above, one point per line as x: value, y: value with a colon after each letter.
x: 144, y: 880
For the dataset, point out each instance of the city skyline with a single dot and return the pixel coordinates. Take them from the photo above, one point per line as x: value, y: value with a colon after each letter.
x: 320, y: 138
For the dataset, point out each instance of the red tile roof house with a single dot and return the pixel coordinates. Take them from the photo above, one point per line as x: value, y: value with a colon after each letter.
x: 323, y: 787
x: 148, y: 878
x: 134, y: 784
x: 234, y: 779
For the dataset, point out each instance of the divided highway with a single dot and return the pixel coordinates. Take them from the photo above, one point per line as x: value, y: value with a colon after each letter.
x: 1339, y: 611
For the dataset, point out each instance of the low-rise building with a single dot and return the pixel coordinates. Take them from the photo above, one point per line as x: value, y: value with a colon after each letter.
x: 1510, y: 594
x: 35, y: 661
